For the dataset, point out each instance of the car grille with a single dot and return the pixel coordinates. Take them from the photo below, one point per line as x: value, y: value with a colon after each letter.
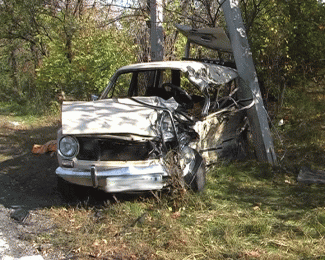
x: 99, y: 149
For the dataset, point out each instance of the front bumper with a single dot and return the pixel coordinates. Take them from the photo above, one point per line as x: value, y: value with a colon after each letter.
x: 121, y: 179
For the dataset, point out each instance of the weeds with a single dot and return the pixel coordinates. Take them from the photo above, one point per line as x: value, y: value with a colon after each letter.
x: 249, y: 210
x: 240, y: 215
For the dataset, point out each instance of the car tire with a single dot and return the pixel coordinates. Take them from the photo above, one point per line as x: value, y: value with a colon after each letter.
x: 197, y: 179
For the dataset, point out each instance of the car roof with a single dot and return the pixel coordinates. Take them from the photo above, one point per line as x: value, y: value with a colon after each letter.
x: 197, y: 71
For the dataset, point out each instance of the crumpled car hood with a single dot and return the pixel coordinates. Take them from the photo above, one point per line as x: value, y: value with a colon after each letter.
x: 113, y: 116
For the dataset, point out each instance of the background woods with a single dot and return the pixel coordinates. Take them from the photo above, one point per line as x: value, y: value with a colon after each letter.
x: 73, y: 46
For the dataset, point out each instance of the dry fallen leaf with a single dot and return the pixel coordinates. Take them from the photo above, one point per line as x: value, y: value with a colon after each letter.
x: 77, y: 250
x: 256, y: 208
x: 176, y: 215
x: 95, y: 254
x: 252, y: 254
x: 95, y: 244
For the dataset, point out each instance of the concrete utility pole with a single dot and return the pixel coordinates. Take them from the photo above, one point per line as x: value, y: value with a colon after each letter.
x: 249, y: 87
x: 156, y: 30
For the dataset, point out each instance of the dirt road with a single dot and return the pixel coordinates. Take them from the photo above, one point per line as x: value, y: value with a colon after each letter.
x: 27, y: 185
x: 21, y: 172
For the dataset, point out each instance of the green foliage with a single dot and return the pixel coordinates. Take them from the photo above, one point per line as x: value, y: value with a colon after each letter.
x: 46, y: 50
x: 96, y: 54
x: 287, y: 39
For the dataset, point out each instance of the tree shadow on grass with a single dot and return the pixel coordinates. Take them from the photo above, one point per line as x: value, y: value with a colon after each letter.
x: 270, y: 189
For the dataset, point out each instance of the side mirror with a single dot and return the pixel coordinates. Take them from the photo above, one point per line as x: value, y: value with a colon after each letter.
x: 94, y: 97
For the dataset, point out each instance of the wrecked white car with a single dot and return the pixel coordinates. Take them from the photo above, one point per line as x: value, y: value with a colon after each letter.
x: 122, y: 141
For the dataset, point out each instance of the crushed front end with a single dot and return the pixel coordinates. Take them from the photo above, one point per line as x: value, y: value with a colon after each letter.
x: 121, y: 145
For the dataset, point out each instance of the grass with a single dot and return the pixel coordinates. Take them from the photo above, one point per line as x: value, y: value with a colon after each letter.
x: 303, y: 133
x: 249, y: 210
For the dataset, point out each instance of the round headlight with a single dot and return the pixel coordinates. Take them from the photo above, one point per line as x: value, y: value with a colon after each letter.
x: 68, y: 146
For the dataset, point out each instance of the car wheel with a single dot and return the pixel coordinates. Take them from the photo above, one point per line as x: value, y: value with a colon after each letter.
x: 186, y: 170
x: 196, y: 179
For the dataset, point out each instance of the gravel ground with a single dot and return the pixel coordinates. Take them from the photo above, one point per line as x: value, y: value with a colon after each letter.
x: 16, y: 236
